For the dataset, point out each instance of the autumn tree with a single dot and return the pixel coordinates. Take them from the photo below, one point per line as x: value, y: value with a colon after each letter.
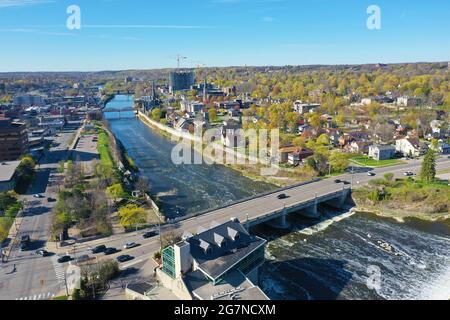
x: 132, y: 215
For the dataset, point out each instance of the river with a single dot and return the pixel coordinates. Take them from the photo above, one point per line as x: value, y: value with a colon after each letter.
x: 330, y: 259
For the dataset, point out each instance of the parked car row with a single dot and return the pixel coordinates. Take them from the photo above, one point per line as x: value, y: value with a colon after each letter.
x: 108, y: 251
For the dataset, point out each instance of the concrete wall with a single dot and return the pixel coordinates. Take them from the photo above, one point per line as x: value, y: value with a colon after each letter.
x: 177, y: 286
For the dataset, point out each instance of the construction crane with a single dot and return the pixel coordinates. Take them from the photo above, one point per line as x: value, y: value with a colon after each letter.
x: 179, y: 58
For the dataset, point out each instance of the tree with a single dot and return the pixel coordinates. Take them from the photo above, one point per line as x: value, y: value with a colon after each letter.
x: 338, y: 161
x: 389, y: 177
x: 25, y: 173
x: 131, y: 215
x: 428, y: 172
x: 323, y: 140
x: 156, y: 114
x: 142, y: 185
x: 116, y: 191
x: 212, y: 114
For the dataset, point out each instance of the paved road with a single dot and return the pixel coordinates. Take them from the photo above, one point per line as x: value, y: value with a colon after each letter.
x: 36, y: 277
x: 253, y: 209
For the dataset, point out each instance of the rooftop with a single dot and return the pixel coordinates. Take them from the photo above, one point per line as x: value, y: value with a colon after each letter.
x: 234, y: 287
x: 220, y: 248
x: 7, y: 170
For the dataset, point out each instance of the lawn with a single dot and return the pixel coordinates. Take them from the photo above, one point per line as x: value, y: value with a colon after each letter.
x: 103, y: 149
x: 368, y: 162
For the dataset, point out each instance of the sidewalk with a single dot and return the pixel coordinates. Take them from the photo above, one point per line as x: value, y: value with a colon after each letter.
x: 13, y: 232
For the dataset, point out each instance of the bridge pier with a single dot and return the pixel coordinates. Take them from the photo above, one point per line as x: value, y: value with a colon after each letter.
x: 311, y: 211
x: 280, y: 222
x: 342, y: 200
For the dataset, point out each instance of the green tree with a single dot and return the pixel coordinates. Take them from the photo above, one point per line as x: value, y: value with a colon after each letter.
x: 116, y: 191
x: 156, y: 114
x: 428, y: 172
x: 212, y: 114
x: 25, y: 173
x: 338, y: 161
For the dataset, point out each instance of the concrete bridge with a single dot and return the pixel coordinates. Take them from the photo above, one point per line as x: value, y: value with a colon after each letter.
x: 302, y: 198
x: 307, y: 208
x: 118, y: 110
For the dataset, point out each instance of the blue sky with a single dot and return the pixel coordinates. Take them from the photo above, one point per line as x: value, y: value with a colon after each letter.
x: 143, y: 34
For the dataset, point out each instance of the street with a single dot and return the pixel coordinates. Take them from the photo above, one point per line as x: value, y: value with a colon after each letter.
x: 36, y: 277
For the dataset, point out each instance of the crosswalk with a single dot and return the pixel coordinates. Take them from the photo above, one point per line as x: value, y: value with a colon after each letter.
x: 42, y: 296
x: 60, y: 272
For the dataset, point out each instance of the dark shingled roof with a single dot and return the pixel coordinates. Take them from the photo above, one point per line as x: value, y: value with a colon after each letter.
x: 216, y: 259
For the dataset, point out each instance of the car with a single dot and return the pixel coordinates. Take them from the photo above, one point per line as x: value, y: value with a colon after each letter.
x: 24, y: 246
x: 130, y: 245
x: 337, y: 181
x: 83, y: 258
x: 110, y: 251
x: 39, y: 196
x: 49, y: 199
x: 346, y: 182
x: 371, y: 174
x: 99, y: 249
x: 408, y: 174
x: 64, y: 259
x: 124, y: 258
x: 43, y: 253
x: 150, y: 234
x: 282, y: 196
x: 25, y: 239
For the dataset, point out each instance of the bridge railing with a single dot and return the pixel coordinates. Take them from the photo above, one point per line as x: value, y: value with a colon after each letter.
x: 204, y: 212
x: 294, y: 206
x: 200, y: 213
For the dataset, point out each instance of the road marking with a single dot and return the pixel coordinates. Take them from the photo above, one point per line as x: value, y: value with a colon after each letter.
x: 41, y: 296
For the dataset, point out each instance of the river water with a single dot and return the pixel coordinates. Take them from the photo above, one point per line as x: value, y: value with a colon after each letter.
x: 334, y: 258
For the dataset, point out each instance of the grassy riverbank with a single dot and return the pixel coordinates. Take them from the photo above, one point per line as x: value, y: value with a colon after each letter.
x: 405, y: 198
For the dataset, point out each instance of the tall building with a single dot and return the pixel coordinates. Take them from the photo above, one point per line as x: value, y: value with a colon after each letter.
x: 181, y: 80
x: 13, y: 140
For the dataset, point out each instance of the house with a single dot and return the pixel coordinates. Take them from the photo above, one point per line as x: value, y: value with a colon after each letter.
x: 438, y: 130
x: 377, y: 99
x: 220, y: 263
x: 381, y: 152
x: 442, y: 147
x: 334, y: 135
x: 411, y: 147
x: 183, y: 124
x: 316, y: 95
x: 228, y: 105
x: 406, y: 101
x: 294, y: 155
x: 361, y: 147
x: 303, y: 108
x: 326, y: 118
x: 229, y: 133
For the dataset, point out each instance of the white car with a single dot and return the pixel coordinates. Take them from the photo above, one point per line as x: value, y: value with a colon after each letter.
x: 130, y: 245
x: 408, y: 174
